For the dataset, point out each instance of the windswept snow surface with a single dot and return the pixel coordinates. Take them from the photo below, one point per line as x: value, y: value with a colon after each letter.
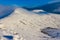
x: 28, y: 25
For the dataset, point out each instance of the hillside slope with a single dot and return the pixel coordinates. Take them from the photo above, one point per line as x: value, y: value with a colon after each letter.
x: 29, y: 25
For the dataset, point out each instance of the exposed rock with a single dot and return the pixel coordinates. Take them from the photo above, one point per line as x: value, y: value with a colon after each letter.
x: 53, y: 32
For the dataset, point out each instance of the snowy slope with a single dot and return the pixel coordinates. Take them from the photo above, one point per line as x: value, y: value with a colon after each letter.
x: 40, y: 12
x: 28, y: 25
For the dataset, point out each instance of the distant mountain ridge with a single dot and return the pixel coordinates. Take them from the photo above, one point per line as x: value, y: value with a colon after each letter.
x: 52, y: 8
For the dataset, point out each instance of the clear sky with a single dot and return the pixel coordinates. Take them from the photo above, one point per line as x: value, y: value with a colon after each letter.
x: 26, y: 3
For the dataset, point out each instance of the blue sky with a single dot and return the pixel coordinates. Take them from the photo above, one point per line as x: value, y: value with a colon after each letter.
x: 25, y: 3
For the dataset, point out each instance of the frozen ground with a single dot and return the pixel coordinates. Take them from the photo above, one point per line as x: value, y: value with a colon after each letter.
x: 28, y: 25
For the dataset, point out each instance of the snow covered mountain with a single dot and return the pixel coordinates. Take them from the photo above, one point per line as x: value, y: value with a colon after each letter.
x: 26, y: 25
x: 40, y: 12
